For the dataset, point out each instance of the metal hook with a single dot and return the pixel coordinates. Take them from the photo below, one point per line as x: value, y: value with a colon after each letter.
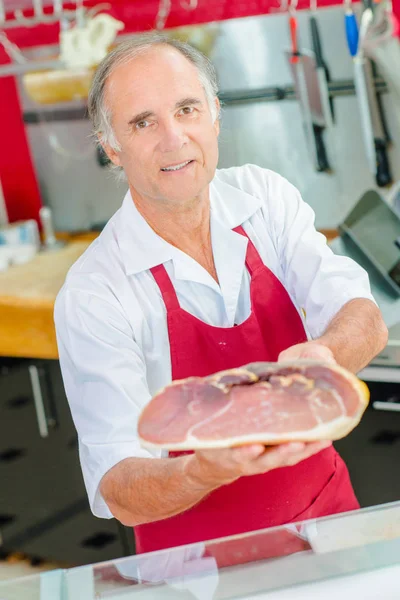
x: 31, y: 21
x: 97, y: 8
x: 2, y: 13
x: 21, y: 19
x: 163, y: 12
x: 58, y: 7
x: 80, y: 14
x: 38, y: 9
x: 283, y: 5
x: 12, y: 49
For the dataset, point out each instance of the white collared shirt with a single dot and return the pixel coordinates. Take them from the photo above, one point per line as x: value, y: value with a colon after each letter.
x: 111, y: 319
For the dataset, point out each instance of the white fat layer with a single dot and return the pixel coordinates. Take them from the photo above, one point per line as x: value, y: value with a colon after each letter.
x: 332, y: 430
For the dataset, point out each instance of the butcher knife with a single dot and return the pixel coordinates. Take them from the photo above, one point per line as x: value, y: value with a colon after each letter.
x: 322, y: 69
x: 373, y: 134
x: 313, y: 129
x: 381, y: 136
x: 382, y: 45
x: 323, y: 77
x: 383, y: 175
x: 362, y: 94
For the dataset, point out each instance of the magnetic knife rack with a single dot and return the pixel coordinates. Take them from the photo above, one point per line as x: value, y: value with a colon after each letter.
x: 337, y: 88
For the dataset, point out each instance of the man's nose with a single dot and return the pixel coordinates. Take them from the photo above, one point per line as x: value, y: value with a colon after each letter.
x: 172, y: 136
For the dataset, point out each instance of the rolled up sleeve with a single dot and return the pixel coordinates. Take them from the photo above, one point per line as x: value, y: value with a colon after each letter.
x: 104, y: 376
x: 320, y: 281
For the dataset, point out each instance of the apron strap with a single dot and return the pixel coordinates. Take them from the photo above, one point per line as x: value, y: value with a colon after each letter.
x: 253, y: 262
x: 166, y: 288
x: 253, y: 259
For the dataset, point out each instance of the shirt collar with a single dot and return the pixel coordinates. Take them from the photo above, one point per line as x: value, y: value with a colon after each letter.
x: 142, y: 248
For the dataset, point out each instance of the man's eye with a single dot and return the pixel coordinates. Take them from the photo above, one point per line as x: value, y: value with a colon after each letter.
x: 142, y: 124
x: 187, y: 110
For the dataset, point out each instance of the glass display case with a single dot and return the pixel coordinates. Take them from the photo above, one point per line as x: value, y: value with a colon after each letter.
x: 355, y: 554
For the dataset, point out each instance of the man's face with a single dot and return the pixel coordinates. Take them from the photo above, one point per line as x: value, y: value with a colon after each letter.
x: 161, y: 119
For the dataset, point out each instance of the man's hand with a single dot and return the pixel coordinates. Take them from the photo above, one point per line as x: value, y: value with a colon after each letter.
x: 142, y: 490
x: 311, y: 350
x: 209, y: 469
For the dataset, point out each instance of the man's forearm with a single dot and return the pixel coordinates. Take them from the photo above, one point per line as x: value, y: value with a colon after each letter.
x: 141, y: 490
x: 356, y: 334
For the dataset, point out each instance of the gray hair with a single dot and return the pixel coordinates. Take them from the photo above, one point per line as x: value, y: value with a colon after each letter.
x: 100, y: 114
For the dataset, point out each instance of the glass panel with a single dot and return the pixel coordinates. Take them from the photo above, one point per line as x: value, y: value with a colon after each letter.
x: 251, y: 564
x: 46, y: 586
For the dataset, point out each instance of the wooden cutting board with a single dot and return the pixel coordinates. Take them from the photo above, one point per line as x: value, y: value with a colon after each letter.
x: 27, y: 296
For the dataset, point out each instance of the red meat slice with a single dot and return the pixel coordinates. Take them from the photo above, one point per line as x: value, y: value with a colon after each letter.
x: 268, y: 403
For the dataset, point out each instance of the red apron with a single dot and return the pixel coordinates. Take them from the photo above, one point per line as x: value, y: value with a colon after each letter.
x: 316, y: 487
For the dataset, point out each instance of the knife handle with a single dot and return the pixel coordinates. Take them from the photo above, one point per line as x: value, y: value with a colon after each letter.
x: 293, y: 26
x: 320, y: 150
x: 331, y: 104
x: 383, y: 174
x: 378, y: 96
x: 319, y: 59
x: 316, y: 42
x: 351, y: 32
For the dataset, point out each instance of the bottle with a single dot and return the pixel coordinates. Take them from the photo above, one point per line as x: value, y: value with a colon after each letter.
x: 3, y: 210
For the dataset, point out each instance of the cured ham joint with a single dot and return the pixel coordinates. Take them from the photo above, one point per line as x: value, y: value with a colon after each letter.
x: 267, y: 403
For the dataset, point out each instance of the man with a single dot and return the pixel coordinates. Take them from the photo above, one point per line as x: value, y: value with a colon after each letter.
x: 200, y: 270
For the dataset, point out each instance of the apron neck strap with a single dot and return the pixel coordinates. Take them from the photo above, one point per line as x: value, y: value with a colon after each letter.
x: 253, y: 259
x: 253, y: 262
x: 166, y: 288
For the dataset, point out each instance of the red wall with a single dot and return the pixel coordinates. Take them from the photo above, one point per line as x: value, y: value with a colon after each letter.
x: 16, y: 169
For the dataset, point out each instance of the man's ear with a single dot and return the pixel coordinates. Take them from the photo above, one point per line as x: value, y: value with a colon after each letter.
x: 218, y: 110
x: 111, y: 152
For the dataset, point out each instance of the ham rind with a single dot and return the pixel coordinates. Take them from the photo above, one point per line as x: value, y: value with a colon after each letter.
x: 268, y: 403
